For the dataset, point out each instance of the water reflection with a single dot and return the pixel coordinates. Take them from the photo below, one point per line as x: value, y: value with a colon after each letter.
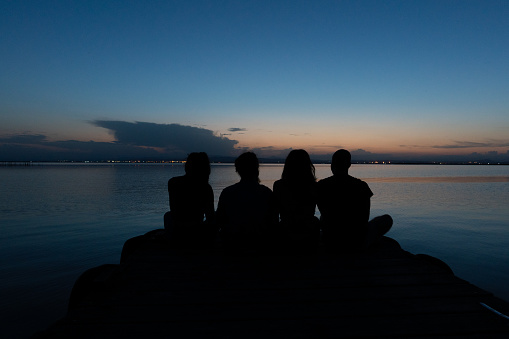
x: 58, y: 221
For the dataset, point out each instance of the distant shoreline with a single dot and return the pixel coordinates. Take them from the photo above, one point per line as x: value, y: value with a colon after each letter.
x: 262, y: 161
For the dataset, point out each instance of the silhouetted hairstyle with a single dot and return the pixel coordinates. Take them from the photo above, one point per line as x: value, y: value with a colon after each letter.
x: 341, y: 161
x: 298, y: 166
x: 198, y: 166
x: 246, y: 165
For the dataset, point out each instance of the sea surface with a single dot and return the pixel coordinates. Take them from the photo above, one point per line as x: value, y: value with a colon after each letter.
x: 58, y: 220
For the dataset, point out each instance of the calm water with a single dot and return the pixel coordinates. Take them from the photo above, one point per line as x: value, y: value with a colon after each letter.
x: 59, y: 220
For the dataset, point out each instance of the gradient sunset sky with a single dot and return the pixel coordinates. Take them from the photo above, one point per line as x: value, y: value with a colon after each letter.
x: 395, y: 79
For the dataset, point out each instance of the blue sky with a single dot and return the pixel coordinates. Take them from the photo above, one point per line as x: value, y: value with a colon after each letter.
x: 399, y: 79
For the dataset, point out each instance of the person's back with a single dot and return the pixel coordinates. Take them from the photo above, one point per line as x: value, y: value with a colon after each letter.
x: 191, y: 200
x: 295, y: 196
x: 296, y: 201
x: 245, y: 208
x: 245, y: 211
x: 344, y: 204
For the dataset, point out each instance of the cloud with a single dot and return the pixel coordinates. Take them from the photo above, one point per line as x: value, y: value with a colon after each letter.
x: 267, y: 151
x: 236, y: 129
x: 271, y: 152
x: 142, y: 140
x: 138, y: 140
x: 19, y: 148
x: 281, y: 153
x: 24, y: 139
x: 472, y: 144
x: 360, y: 155
x: 363, y: 155
x: 332, y: 147
x: 170, y: 137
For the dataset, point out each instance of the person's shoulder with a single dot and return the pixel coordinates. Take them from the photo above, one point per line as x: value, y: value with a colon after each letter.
x: 340, y: 180
x: 325, y: 181
x: 264, y: 188
x: 230, y: 189
x: 176, y: 180
x: 279, y: 184
x: 357, y: 181
x: 353, y: 179
x: 205, y: 187
x: 360, y: 185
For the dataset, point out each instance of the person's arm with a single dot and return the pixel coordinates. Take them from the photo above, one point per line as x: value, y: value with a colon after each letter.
x: 178, y: 203
x: 209, y: 206
x: 272, y: 216
x: 175, y: 195
x: 221, y: 216
x: 276, y: 199
x: 367, y: 204
x: 365, y: 209
x: 170, y: 195
x: 319, y: 198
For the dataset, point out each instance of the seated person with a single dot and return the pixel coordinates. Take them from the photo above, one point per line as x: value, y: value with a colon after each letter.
x: 191, y: 199
x: 245, y: 211
x: 295, y: 196
x: 344, y: 204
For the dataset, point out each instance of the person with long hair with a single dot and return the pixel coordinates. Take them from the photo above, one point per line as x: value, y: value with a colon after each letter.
x: 191, y: 219
x: 295, y: 196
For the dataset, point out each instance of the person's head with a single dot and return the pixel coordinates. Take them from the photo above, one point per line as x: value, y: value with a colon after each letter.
x: 247, y: 165
x: 341, y: 161
x: 298, y: 166
x: 198, y: 166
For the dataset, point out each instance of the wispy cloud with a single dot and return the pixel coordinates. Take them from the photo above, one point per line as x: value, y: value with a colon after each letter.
x: 236, y: 129
x: 25, y: 139
x: 473, y: 144
x: 333, y: 147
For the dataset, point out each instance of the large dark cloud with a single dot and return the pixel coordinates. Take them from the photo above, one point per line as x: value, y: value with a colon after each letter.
x: 136, y: 140
x: 171, y: 137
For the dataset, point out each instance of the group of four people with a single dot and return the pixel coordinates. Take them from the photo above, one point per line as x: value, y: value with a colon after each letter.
x: 251, y: 216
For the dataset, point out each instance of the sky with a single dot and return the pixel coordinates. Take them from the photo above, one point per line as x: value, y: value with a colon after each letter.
x: 101, y: 80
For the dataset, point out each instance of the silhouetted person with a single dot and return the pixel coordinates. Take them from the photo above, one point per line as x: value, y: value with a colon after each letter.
x: 344, y: 204
x: 245, y: 211
x: 191, y: 199
x: 295, y: 195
